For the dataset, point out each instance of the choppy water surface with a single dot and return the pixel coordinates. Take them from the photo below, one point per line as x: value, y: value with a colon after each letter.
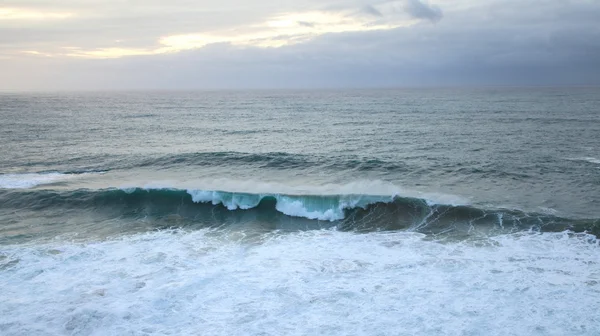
x: 337, y: 212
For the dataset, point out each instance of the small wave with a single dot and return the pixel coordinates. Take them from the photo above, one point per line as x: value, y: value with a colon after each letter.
x: 587, y: 159
x: 31, y: 180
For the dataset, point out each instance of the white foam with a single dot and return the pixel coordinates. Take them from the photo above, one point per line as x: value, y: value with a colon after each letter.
x: 591, y: 160
x: 317, y: 282
x: 360, y: 187
x: 232, y: 202
x: 296, y: 208
x: 587, y: 159
x: 311, y: 207
x: 30, y: 180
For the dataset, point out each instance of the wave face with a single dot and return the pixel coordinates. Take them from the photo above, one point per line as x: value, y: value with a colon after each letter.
x: 352, y: 212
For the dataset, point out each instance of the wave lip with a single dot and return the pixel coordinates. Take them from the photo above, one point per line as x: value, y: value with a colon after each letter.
x: 323, y: 207
x: 31, y: 180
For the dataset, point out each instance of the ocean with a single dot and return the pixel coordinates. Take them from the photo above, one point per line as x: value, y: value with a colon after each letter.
x: 469, y: 211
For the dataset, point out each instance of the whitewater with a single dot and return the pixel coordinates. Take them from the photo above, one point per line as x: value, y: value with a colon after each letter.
x: 327, y: 282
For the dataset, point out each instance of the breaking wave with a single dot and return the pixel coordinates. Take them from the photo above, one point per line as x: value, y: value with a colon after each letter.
x: 358, y: 212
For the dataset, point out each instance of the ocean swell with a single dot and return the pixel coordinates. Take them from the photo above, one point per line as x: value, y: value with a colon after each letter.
x: 351, y: 212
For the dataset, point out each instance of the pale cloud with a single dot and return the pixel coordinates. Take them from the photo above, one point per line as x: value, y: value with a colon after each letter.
x: 276, y: 31
x: 108, y: 52
x: 283, y: 29
x: 36, y: 53
x: 28, y: 14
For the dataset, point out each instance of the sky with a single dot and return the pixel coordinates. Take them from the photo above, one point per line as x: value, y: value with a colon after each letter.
x: 246, y: 44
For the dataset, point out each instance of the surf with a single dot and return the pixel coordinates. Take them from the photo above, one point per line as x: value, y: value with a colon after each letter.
x: 347, y: 212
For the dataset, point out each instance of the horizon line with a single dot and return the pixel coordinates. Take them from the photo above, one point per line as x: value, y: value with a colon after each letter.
x: 341, y: 88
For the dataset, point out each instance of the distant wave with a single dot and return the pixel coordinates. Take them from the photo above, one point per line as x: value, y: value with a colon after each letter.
x: 587, y: 159
x: 31, y: 180
x: 359, y: 212
x: 277, y: 160
x: 280, y: 161
x: 591, y: 160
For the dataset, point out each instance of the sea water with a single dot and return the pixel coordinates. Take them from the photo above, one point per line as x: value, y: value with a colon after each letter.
x: 368, y: 212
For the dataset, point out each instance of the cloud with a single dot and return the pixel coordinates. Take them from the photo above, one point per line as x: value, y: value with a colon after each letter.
x: 368, y: 9
x: 272, y: 32
x: 420, y: 10
x: 28, y: 14
x: 489, y: 42
x: 156, y: 28
x: 306, y: 24
x: 281, y: 30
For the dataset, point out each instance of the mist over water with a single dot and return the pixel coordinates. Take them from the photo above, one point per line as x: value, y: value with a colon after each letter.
x: 463, y: 211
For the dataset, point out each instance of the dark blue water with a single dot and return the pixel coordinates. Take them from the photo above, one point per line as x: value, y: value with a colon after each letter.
x: 490, y: 181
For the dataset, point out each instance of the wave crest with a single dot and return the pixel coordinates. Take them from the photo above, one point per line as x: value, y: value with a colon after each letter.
x: 325, y: 207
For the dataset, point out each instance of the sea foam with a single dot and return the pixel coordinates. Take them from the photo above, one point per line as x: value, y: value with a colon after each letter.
x: 316, y: 282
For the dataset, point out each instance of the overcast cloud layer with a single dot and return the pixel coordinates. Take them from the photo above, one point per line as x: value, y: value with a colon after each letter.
x: 184, y: 44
